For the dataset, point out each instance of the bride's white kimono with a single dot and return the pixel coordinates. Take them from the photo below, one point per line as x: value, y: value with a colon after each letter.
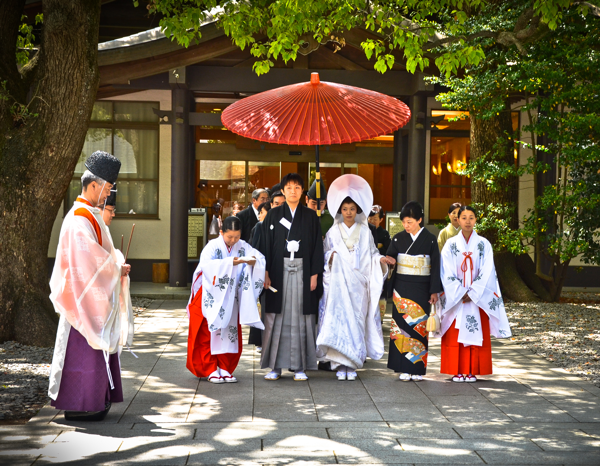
x: 469, y: 268
x: 349, y: 327
x: 228, y: 290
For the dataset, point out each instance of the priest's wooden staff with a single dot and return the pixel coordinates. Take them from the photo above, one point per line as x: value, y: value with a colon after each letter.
x: 129, y: 244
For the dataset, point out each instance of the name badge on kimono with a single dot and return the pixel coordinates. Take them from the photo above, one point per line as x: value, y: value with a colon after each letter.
x: 286, y: 223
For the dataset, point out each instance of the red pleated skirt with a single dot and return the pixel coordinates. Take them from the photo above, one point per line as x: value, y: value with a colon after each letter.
x: 200, y: 361
x: 460, y: 359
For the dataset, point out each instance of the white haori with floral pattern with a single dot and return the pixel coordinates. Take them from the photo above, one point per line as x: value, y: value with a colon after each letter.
x: 228, y: 290
x: 469, y: 268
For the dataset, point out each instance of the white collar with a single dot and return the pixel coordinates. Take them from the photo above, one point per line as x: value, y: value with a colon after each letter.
x: 414, y: 237
x: 226, y: 248
x: 455, y: 229
x: 348, y: 229
x: 293, y: 212
x: 254, y: 209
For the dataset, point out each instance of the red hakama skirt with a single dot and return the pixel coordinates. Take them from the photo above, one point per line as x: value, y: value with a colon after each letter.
x: 460, y: 359
x: 200, y: 361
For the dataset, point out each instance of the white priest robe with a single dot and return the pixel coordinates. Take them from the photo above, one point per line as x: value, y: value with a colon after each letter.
x: 469, y: 268
x: 87, y: 289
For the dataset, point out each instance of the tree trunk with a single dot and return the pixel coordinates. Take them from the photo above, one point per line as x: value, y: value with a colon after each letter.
x: 491, y: 140
x: 526, y: 268
x: 38, y: 153
x: 510, y: 280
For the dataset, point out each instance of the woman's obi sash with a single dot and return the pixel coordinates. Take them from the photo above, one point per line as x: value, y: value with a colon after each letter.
x: 413, y: 265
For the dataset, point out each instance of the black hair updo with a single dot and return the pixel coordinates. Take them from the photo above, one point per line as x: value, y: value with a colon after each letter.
x: 349, y: 200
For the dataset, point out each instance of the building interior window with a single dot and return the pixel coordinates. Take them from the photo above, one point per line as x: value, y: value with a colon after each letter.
x: 129, y: 131
x: 221, y: 185
x: 448, y: 156
x: 380, y: 177
x: 450, y: 151
x: 228, y: 184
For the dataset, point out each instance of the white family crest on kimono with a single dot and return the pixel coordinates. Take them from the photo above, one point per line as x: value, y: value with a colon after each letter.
x: 228, y: 291
x: 88, y: 292
x: 468, y: 267
x: 349, y: 320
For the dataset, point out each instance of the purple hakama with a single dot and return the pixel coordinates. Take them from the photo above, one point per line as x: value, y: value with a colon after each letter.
x: 84, y: 385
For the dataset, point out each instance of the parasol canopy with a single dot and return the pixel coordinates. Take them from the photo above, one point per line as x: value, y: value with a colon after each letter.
x: 315, y: 113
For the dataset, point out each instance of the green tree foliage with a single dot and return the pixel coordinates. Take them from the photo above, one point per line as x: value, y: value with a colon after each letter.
x: 26, y: 39
x: 439, y: 34
x: 553, y: 81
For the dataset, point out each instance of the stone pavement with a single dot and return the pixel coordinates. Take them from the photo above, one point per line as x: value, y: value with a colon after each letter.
x: 528, y: 412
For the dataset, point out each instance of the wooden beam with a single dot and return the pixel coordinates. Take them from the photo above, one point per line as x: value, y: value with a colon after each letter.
x: 384, y: 155
x: 215, y: 134
x: 251, y: 144
x: 161, y: 45
x: 109, y: 92
x: 339, y: 60
x: 243, y: 80
x: 247, y: 63
x: 301, y: 62
x: 125, y: 72
x: 356, y: 36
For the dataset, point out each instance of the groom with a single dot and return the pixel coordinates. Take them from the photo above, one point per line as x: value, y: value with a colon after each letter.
x: 292, y: 243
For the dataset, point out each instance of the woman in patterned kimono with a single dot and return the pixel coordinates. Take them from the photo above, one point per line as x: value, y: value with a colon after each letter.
x: 225, y: 287
x: 471, y: 307
x: 416, y: 286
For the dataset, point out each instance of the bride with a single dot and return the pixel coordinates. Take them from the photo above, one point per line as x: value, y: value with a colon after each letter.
x: 349, y: 320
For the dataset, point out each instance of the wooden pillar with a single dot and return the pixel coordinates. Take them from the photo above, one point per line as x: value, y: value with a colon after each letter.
x: 415, y: 175
x: 180, y: 181
x: 399, y: 179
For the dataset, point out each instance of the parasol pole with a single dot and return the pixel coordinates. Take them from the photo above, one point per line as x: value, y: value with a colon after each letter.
x: 122, y: 243
x: 129, y: 244
x: 318, y: 180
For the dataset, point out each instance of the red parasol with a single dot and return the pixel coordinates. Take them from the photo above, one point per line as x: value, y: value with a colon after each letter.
x: 315, y: 113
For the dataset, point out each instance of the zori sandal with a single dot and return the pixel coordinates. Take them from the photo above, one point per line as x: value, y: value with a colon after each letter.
x: 227, y: 377
x: 300, y: 376
x: 215, y: 377
x: 273, y: 375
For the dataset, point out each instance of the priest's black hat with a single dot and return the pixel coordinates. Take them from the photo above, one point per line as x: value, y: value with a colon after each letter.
x: 312, y: 192
x: 104, y: 165
x: 112, y: 198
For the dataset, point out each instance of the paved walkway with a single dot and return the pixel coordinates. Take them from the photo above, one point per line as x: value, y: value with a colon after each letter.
x: 528, y: 412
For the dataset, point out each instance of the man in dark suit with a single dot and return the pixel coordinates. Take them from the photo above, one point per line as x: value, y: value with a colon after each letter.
x: 249, y: 216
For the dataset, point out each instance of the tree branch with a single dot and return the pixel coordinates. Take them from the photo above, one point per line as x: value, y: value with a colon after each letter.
x: 451, y: 40
x: 594, y: 10
x: 11, y: 12
x: 523, y: 20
